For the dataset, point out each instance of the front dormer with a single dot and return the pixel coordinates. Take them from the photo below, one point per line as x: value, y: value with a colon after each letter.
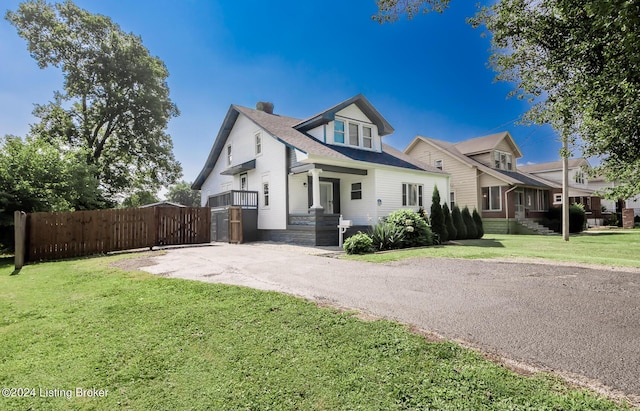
x: 503, y: 160
x: 354, y: 123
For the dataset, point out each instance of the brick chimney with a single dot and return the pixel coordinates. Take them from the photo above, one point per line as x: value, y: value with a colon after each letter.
x: 265, y: 106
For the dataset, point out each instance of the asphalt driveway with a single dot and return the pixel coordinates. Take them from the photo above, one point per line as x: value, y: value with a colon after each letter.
x: 582, y: 323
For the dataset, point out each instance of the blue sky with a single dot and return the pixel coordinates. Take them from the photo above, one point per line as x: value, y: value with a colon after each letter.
x: 426, y: 76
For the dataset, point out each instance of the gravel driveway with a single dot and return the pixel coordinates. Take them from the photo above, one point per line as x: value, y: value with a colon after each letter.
x: 582, y: 323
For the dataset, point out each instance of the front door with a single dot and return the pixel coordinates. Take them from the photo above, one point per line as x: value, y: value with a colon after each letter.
x: 519, y: 202
x: 326, y: 197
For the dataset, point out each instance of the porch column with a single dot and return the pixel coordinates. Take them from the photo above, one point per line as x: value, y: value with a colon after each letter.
x: 315, y: 184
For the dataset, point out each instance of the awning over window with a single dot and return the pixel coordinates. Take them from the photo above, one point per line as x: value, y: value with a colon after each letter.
x: 240, y: 168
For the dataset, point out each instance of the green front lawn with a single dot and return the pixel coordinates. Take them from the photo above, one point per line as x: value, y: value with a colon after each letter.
x: 156, y: 343
x: 612, y: 248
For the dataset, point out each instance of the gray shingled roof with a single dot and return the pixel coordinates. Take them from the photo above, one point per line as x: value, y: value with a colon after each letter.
x: 553, y: 165
x: 510, y: 177
x: 284, y: 129
x: 486, y: 143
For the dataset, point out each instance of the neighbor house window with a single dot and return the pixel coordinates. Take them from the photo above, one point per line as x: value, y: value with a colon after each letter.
x: 537, y: 200
x: 229, y: 155
x: 356, y: 191
x: 367, y: 137
x: 438, y: 164
x: 411, y: 194
x: 579, y: 177
x: 452, y: 199
x: 557, y: 199
x: 354, y: 138
x: 338, y: 131
x: 491, y: 198
x: 258, y: 144
x: 502, y: 161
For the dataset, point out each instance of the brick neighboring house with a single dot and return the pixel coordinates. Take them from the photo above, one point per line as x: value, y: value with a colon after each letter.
x: 484, y: 176
x: 582, y: 190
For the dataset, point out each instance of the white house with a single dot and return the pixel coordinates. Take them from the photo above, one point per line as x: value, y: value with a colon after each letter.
x: 302, y: 174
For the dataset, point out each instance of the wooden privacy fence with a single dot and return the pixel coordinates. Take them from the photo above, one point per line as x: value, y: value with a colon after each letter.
x: 51, y: 236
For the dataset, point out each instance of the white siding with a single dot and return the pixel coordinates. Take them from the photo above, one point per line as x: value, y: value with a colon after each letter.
x: 363, y: 211
x: 298, y: 194
x: 272, y: 161
x: 389, y: 189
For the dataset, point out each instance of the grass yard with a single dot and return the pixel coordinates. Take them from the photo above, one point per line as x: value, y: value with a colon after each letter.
x: 167, y: 344
x: 611, y: 248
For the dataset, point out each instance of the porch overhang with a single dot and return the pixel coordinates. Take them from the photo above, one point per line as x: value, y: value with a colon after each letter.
x: 240, y: 168
x: 303, y: 168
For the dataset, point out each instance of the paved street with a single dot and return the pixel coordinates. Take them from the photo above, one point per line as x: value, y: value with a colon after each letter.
x: 576, y: 321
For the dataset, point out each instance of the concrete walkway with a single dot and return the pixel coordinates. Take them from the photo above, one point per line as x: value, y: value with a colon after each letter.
x: 582, y: 323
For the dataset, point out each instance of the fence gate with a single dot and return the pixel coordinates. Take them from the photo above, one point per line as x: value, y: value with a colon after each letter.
x: 235, y: 225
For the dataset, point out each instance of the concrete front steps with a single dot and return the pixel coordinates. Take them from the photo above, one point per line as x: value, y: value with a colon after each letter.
x: 536, y: 228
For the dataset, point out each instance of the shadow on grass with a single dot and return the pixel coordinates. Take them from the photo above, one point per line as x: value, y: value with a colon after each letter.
x: 606, y: 233
x: 489, y: 243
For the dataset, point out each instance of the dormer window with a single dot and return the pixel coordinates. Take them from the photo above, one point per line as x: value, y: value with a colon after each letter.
x: 354, y: 138
x: 503, y: 161
x: 338, y: 131
x: 579, y: 177
x: 367, y: 137
x: 353, y: 133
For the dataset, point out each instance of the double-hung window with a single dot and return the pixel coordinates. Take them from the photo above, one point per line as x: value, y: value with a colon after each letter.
x: 258, y: 143
x: 354, y: 138
x: 338, y: 131
x: 356, y: 191
x: 411, y: 194
x: 367, y: 137
x: 491, y: 198
x: 503, y: 161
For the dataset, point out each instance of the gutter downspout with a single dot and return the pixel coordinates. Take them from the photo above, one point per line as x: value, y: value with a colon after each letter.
x: 506, y: 205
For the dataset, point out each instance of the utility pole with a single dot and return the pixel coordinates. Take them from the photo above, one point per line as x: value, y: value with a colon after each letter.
x: 565, y: 189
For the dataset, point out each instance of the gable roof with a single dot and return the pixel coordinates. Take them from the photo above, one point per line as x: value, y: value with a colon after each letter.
x: 289, y: 131
x: 554, y: 165
x: 509, y: 177
x: 487, y: 143
x: 329, y: 114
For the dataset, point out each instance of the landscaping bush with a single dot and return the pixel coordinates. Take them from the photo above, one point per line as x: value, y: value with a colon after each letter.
x: 448, y: 222
x: 387, y: 236
x: 359, y: 243
x: 478, y: 220
x: 458, y: 223
x: 437, y: 217
x: 472, y: 231
x: 577, y: 218
x: 416, y: 231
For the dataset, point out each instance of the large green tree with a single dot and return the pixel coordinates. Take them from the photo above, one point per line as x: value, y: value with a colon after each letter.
x: 182, y: 193
x: 115, y: 102
x: 390, y: 10
x: 577, y: 62
x: 38, y: 176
